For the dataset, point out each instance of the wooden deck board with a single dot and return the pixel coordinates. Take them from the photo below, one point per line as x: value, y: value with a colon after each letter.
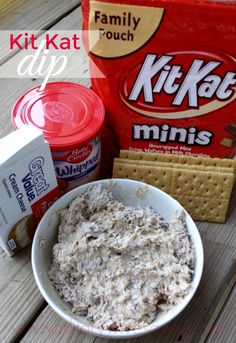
x: 19, y: 296
x: 188, y: 327
x: 224, y: 302
x: 224, y: 330
x: 31, y: 15
x: 51, y: 328
x: 222, y: 233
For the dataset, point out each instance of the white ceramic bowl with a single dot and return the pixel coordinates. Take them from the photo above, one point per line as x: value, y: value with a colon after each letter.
x: 126, y: 192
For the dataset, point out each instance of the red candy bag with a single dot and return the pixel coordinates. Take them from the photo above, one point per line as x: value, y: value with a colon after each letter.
x: 170, y: 74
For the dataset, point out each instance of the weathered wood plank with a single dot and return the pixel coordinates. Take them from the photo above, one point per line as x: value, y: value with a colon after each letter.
x: 225, y: 302
x: 222, y: 233
x: 19, y: 297
x: 224, y: 329
x: 51, y: 328
x: 31, y: 15
x: 186, y: 328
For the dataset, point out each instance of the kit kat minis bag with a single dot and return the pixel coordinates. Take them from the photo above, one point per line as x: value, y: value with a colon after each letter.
x: 170, y: 74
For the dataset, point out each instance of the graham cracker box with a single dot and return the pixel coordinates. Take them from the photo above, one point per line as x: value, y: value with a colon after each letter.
x: 28, y: 186
x: 170, y: 74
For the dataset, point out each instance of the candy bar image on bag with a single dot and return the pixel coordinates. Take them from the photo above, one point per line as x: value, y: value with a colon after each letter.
x: 227, y: 142
x: 231, y: 128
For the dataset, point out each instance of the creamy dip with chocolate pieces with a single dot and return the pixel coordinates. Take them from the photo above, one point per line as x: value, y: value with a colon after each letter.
x: 118, y: 265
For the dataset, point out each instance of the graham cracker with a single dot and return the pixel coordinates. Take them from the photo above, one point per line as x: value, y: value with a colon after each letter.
x: 211, y: 210
x: 157, y: 176
x: 203, y: 190
x: 175, y: 165
x: 205, y: 184
x: 180, y: 159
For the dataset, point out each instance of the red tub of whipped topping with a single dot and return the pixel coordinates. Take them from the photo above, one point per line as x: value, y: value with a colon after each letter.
x: 70, y: 116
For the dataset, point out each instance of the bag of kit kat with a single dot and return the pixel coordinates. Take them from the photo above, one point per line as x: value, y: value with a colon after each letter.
x: 170, y: 73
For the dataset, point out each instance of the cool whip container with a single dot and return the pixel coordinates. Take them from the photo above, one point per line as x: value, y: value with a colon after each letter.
x: 70, y: 116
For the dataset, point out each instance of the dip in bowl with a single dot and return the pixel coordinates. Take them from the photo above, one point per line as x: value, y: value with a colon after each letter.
x: 128, y: 193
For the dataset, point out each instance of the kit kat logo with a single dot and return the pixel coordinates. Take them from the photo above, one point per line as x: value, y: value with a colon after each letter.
x: 180, y: 84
